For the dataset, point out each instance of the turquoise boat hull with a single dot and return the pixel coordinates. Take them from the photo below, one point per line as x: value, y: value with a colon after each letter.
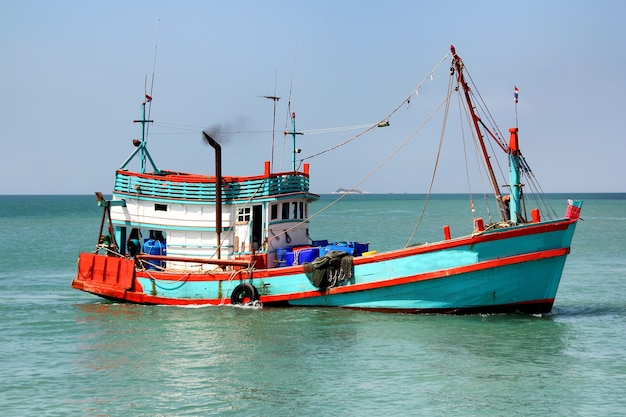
x: 506, y: 270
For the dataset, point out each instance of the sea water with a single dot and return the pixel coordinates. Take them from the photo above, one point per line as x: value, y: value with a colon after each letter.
x: 67, y: 353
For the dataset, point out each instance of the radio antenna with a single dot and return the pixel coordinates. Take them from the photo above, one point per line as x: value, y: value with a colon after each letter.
x: 156, y: 44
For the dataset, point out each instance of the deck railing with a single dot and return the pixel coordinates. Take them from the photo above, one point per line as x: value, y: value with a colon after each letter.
x: 203, y: 188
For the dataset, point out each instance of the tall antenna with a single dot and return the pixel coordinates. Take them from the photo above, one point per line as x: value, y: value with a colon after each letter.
x: 275, y: 99
x: 156, y: 44
x: 289, y: 112
x: 145, y: 119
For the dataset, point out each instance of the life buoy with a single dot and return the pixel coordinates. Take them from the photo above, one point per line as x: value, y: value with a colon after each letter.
x: 244, y: 293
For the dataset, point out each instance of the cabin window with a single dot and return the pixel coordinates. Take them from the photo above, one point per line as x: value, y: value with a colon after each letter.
x: 301, y: 210
x: 295, y: 210
x: 244, y: 214
x: 274, y: 211
x: 285, y: 214
x: 160, y: 207
x: 157, y: 235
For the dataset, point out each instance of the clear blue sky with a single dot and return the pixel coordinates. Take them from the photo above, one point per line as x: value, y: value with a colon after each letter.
x: 72, y: 80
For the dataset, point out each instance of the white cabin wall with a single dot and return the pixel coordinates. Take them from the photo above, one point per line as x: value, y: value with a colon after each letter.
x: 174, y: 221
x: 279, y: 232
x: 177, y: 215
x: 190, y: 228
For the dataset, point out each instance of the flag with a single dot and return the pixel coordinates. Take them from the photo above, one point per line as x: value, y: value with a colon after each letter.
x: 515, y: 94
x: 149, y: 99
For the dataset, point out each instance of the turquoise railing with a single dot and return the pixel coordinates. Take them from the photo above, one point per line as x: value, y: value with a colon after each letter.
x: 155, y: 186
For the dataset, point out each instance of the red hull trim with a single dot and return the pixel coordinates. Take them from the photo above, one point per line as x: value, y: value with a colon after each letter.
x: 481, y: 266
x: 538, y: 306
x: 525, y: 230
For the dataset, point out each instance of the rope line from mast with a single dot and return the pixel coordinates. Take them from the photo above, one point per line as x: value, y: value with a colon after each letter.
x: 395, y: 110
x: 384, y: 162
x: 432, y: 178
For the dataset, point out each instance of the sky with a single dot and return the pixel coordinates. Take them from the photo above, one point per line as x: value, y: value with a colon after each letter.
x: 73, y: 76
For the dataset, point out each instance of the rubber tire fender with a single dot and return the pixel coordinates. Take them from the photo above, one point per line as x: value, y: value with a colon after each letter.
x: 243, y: 291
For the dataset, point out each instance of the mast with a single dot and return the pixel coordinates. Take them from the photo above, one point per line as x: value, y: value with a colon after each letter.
x: 293, y: 134
x: 457, y: 63
x: 515, y: 201
x: 141, y: 145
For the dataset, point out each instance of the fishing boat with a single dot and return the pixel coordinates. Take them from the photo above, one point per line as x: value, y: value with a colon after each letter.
x: 179, y: 238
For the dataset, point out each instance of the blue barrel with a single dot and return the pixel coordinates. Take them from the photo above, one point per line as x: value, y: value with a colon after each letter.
x: 154, y: 247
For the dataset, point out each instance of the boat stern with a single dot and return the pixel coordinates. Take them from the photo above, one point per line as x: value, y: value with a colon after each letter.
x: 107, y: 276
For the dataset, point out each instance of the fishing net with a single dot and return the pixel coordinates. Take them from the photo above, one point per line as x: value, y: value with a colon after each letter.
x: 331, y: 270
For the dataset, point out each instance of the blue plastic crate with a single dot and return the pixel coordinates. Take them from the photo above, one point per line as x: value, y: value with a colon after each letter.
x: 342, y: 248
x: 359, y: 247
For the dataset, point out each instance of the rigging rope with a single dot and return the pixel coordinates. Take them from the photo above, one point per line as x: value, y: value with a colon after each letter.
x: 485, y: 110
x: 384, y: 162
x: 464, y: 112
x: 467, y: 174
x: 182, y: 129
x: 432, y: 178
x: 525, y: 172
x: 372, y: 127
x: 334, y: 129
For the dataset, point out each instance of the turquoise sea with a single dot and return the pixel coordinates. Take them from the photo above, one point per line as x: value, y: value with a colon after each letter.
x: 67, y: 353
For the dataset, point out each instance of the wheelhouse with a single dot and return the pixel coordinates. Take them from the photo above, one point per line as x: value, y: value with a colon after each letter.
x: 176, y: 213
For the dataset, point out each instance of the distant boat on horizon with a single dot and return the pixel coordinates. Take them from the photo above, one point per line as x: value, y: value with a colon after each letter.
x: 347, y: 191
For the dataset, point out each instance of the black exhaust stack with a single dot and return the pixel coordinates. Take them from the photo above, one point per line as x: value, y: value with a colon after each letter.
x: 218, y: 190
